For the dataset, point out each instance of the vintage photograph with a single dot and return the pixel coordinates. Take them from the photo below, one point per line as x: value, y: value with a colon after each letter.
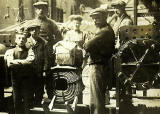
x: 79, y: 56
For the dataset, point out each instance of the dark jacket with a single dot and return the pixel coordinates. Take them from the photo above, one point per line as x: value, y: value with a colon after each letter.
x: 101, y: 46
x: 50, y: 33
x: 40, y: 63
x: 49, y: 30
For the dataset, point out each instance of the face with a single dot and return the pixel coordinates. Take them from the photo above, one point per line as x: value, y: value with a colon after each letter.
x: 76, y: 24
x: 34, y: 32
x: 41, y: 11
x: 20, y: 39
x: 99, y: 19
x: 119, y: 11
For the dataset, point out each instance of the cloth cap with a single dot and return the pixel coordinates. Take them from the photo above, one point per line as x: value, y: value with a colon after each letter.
x: 33, y: 26
x: 98, y: 11
x: 37, y: 4
x: 22, y: 31
x: 119, y: 4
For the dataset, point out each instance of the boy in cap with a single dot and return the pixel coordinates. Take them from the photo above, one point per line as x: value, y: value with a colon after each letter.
x: 100, y: 49
x: 50, y: 33
x: 123, y: 19
x: 39, y: 66
x: 19, y: 60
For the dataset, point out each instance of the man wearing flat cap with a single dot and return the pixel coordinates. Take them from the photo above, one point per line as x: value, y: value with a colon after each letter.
x: 122, y: 18
x: 50, y: 33
x: 100, y: 49
x: 39, y: 65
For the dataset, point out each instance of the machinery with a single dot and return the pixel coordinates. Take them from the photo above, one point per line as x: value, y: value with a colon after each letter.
x: 137, y: 64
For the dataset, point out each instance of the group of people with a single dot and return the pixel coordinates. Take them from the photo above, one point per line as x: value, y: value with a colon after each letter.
x: 33, y: 56
x: 30, y: 61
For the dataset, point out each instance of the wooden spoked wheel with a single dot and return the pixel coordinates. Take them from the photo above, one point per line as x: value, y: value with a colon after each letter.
x: 138, y: 61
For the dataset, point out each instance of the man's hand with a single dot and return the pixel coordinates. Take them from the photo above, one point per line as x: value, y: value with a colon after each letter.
x: 44, y: 74
x: 14, y: 63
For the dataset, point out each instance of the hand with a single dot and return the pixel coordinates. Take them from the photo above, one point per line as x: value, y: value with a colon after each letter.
x: 44, y: 74
x: 13, y: 63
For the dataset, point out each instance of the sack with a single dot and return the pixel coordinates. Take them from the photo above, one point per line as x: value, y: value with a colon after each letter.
x: 78, y: 57
x: 67, y: 53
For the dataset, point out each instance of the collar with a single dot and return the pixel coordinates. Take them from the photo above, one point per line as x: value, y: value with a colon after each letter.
x: 18, y: 48
x: 78, y: 31
x: 41, y: 18
x: 123, y: 16
x: 103, y: 25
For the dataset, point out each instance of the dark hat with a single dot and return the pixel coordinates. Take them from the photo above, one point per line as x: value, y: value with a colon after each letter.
x: 98, y: 11
x: 33, y: 26
x: 119, y: 4
x: 21, y: 30
x: 37, y: 4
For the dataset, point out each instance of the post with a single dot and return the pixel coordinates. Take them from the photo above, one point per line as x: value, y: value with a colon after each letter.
x: 135, y: 11
x: 52, y: 9
x: 20, y: 16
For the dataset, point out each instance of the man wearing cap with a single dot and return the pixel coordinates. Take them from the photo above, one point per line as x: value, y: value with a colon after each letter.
x: 50, y: 33
x: 19, y: 60
x: 38, y: 46
x: 100, y: 49
x: 122, y: 18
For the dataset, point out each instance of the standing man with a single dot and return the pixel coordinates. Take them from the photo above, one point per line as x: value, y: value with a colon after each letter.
x: 38, y: 46
x: 50, y: 33
x: 122, y: 19
x: 100, y: 49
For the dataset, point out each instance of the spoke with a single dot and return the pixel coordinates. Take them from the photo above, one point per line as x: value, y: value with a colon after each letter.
x: 135, y: 63
x: 151, y: 64
x: 133, y: 74
x: 142, y: 58
x: 129, y: 64
x: 139, y: 63
x: 133, y: 54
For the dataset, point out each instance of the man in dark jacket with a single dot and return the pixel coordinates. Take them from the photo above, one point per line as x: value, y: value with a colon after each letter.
x: 100, y: 49
x: 50, y: 33
x: 39, y: 64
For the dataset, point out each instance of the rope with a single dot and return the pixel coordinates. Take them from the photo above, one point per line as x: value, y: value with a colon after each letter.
x: 73, y: 86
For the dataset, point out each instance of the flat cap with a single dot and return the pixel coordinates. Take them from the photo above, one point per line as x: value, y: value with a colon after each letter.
x: 118, y: 4
x: 21, y: 30
x: 33, y: 26
x: 40, y: 4
x: 98, y: 11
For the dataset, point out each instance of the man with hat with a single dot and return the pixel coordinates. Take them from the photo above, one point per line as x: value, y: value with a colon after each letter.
x: 100, y: 49
x: 50, y: 33
x: 19, y: 60
x: 122, y: 18
x: 39, y: 64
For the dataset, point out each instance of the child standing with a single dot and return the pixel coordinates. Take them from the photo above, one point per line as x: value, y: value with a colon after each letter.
x: 19, y: 60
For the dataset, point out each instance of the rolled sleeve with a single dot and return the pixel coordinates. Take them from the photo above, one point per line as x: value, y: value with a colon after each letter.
x: 9, y: 57
x: 30, y: 58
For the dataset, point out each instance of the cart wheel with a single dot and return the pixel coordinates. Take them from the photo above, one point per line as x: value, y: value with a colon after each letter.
x: 138, y: 61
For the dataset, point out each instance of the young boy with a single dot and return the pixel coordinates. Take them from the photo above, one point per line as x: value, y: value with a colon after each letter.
x: 19, y: 60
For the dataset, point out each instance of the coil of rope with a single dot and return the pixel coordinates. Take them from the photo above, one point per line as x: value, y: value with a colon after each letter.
x: 74, y: 86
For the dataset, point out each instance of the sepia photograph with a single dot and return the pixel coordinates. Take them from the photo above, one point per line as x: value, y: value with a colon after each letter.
x: 79, y: 56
